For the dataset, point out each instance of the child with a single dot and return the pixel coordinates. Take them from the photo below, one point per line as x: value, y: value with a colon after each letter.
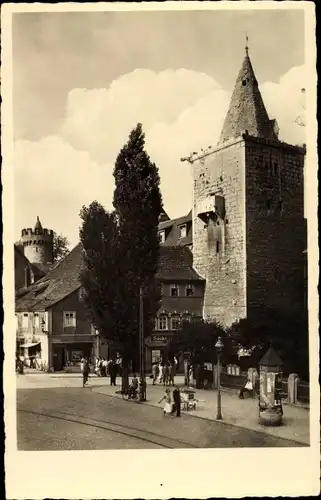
x: 168, y: 407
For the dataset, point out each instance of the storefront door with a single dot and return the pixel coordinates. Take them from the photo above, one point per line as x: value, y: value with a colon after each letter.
x: 58, y: 358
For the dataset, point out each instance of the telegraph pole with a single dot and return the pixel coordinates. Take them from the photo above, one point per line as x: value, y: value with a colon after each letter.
x: 142, y: 381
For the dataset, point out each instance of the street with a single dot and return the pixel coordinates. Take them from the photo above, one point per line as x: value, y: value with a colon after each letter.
x: 76, y: 418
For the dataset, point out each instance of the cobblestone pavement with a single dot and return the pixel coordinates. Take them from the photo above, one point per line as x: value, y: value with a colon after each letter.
x: 239, y: 415
x: 82, y: 419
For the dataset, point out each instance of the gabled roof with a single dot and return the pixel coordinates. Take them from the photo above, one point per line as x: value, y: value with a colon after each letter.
x: 172, y: 232
x: 57, y: 284
x: 247, y: 111
x: 176, y: 263
x: 271, y: 358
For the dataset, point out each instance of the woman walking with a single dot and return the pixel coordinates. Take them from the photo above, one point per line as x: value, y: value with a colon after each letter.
x: 168, y: 407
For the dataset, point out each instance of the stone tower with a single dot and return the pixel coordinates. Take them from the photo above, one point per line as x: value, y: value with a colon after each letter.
x: 38, y: 244
x: 248, y: 213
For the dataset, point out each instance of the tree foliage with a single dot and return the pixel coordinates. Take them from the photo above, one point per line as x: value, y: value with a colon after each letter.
x: 121, y: 249
x: 286, y: 331
x: 60, y: 247
x: 198, y: 339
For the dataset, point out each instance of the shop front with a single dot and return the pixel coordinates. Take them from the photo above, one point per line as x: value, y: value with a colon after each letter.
x: 156, y: 345
x: 68, y: 352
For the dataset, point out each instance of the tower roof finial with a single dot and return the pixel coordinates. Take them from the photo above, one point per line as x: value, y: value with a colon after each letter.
x: 38, y: 224
x: 246, y: 44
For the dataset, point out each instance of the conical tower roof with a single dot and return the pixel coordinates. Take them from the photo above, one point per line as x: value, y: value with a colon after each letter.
x: 38, y: 224
x: 247, y: 111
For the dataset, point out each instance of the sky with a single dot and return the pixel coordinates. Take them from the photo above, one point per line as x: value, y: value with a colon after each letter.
x: 82, y: 81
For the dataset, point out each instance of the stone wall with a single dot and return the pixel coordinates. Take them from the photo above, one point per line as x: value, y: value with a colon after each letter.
x: 274, y: 225
x: 219, y: 245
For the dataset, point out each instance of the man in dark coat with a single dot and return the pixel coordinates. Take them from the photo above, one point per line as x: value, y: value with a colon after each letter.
x: 177, y: 401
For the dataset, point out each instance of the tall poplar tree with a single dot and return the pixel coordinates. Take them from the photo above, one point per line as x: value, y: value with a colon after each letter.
x: 121, y: 251
x: 138, y: 205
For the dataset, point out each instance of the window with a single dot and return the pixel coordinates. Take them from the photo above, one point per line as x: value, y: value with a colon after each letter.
x: 269, y: 206
x: 187, y: 318
x: 217, y: 247
x: 36, y: 320
x: 174, y: 290
x: 156, y: 354
x: 25, y: 320
x: 275, y: 169
x: 162, y: 236
x: 182, y: 231
x: 69, y: 319
x: 36, y: 249
x: 162, y: 322
x: 175, y: 322
x: 189, y: 290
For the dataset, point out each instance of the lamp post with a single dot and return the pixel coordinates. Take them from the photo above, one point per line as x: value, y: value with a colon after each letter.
x: 142, y: 382
x: 219, y: 347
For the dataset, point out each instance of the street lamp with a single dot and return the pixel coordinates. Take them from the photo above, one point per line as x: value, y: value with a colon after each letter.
x: 219, y: 347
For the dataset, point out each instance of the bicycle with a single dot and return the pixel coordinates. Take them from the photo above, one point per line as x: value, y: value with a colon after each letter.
x: 130, y: 395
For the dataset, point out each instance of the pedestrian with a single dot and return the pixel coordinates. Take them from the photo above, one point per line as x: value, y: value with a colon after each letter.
x: 171, y: 373
x: 160, y: 372
x: 177, y: 401
x: 168, y: 407
x: 247, y: 388
x: 113, y: 372
x: 82, y: 363
x: 85, y: 373
x: 154, y: 371
x: 191, y: 376
x: 166, y: 374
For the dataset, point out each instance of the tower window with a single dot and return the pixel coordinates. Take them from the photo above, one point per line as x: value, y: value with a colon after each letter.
x: 268, y: 206
x: 36, y: 249
x: 275, y: 169
x: 217, y: 247
x: 244, y: 83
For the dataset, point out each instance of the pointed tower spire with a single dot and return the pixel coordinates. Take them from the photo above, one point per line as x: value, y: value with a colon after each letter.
x: 38, y: 224
x: 247, y: 111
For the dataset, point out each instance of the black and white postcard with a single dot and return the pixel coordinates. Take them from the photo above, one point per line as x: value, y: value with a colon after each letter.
x: 160, y: 250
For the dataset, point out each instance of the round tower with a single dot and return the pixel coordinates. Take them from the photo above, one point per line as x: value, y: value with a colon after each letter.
x: 38, y: 244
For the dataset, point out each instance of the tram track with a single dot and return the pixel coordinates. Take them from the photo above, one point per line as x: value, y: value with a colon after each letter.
x: 133, y: 432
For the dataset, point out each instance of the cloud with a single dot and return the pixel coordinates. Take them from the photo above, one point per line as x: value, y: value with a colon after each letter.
x: 53, y: 180
x: 181, y: 111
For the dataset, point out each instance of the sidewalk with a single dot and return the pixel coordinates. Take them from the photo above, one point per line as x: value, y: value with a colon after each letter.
x: 235, y: 411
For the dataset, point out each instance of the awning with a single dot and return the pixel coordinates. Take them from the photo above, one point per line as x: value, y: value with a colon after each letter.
x: 29, y: 345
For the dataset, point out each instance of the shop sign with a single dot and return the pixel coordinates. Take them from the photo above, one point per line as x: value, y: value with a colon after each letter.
x: 160, y: 338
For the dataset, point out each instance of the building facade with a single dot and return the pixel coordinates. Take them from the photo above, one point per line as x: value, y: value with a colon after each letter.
x: 182, y: 298
x: 248, y: 213
x: 53, y: 330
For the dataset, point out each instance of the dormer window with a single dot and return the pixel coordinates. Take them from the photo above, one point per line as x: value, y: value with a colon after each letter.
x: 182, y: 231
x: 189, y: 290
x: 174, y: 289
x: 162, y: 236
